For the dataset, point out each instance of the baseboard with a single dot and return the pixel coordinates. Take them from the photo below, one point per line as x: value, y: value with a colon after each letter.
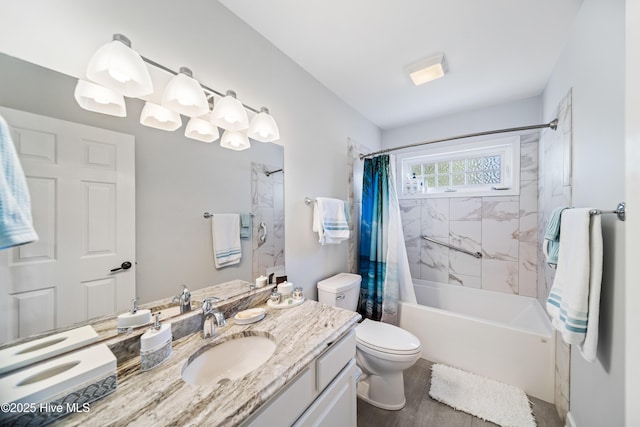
x: 570, y: 421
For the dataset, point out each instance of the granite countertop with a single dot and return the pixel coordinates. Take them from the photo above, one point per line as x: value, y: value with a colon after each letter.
x: 233, y: 293
x: 160, y: 396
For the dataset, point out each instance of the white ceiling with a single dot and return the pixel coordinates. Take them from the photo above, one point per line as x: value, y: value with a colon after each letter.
x: 497, y: 50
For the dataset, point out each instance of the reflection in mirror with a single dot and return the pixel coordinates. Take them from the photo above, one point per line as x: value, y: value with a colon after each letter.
x: 173, y: 180
x: 267, y: 205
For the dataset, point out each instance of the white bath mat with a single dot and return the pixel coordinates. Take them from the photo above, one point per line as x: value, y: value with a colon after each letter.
x: 490, y: 400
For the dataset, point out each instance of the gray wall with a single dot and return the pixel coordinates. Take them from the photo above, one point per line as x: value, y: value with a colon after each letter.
x: 512, y: 114
x: 592, y: 65
x: 632, y: 154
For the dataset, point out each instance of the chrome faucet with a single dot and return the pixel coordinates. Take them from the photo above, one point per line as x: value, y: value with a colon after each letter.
x: 134, y: 306
x: 184, y: 299
x: 211, y: 317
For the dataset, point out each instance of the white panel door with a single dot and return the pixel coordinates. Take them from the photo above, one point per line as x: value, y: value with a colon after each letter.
x: 82, y: 185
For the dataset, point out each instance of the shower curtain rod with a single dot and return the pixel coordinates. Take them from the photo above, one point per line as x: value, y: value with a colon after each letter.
x: 552, y: 124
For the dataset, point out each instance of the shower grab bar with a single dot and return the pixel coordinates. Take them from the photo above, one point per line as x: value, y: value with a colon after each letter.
x: 263, y: 237
x: 473, y: 254
x: 208, y: 215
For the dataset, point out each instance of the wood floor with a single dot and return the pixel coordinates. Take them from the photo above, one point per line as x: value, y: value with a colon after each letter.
x: 422, y: 411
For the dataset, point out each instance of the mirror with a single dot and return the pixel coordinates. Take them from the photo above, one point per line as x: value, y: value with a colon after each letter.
x: 177, y: 180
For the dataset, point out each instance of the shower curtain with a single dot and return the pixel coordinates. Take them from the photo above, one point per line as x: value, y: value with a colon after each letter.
x: 384, y: 266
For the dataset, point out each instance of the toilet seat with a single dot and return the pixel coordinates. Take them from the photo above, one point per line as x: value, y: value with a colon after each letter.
x: 386, y: 338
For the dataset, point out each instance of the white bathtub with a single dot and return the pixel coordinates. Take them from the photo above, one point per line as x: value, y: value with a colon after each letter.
x: 497, y: 335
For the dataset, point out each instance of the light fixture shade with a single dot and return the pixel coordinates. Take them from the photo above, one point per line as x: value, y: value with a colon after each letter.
x: 229, y: 113
x: 184, y: 95
x: 234, y: 140
x: 99, y: 99
x: 263, y: 127
x: 202, y: 130
x: 159, y: 117
x: 428, y: 69
x: 116, y: 66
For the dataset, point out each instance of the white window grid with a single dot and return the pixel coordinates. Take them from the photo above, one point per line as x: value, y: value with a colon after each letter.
x: 481, y: 168
x: 473, y: 171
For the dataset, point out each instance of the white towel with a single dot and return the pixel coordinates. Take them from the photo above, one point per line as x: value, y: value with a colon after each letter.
x: 16, y: 227
x: 574, y: 299
x: 225, y: 235
x: 330, y: 220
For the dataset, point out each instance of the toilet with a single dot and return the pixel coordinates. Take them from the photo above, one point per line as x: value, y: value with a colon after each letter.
x: 383, y: 351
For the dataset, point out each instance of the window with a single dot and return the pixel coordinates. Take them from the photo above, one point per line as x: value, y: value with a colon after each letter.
x: 490, y: 167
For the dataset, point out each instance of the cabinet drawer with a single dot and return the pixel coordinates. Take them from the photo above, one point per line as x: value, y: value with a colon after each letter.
x: 336, y: 357
x: 337, y: 405
x: 287, y: 405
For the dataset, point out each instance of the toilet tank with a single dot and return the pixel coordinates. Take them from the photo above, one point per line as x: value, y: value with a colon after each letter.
x: 341, y: 290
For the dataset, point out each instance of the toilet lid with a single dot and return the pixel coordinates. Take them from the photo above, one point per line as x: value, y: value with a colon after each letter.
x: 386, y: 338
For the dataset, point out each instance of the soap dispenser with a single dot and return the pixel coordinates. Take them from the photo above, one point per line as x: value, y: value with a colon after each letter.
x: 155, y: 344
x: 134, y: 318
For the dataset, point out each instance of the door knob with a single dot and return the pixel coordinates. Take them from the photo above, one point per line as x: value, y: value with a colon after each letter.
x: 124, y: 266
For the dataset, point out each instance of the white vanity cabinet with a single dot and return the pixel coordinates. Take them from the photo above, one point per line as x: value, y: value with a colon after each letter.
x: 323, y: 394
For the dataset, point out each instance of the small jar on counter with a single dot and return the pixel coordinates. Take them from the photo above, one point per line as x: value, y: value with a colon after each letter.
x: 285, y: 289
x: 261, y: 281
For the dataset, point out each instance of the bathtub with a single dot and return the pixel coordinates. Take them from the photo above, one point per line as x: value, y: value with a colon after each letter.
x: 497, y: 335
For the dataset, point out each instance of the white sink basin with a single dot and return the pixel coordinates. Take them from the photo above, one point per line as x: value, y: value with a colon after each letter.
x: 228, y: 360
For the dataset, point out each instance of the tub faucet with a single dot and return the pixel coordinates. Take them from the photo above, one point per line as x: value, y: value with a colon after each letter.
x: 184, y: 299
x: 211, y: 317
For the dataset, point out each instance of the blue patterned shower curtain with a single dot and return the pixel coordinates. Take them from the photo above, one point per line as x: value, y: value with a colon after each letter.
x: 384, y: 266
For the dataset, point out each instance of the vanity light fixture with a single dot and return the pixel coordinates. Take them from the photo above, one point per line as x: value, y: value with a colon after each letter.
x: 201, y: 129
x: 116, y: 66
x: 428, y: 69
x: 229, y: 113
x: 115, y: 71
x: 99, y: 99
x: 263, y: 127
x: 184, y: 95
x: 234, y: 140
x: 159, y: 117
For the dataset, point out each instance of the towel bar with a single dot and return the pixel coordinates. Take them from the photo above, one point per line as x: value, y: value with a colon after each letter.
x: 621, y: 210
x: 308, y: 201
x: 210, y: 215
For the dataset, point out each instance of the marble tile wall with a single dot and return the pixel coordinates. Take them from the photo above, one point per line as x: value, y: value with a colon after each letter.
x: 554, y: 190
x: 502, y: 228
x: 267, y: 205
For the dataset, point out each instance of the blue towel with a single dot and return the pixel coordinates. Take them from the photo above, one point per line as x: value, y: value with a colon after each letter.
x: 16, y: 227
x: 551, y: 244
x: 245, y: 226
